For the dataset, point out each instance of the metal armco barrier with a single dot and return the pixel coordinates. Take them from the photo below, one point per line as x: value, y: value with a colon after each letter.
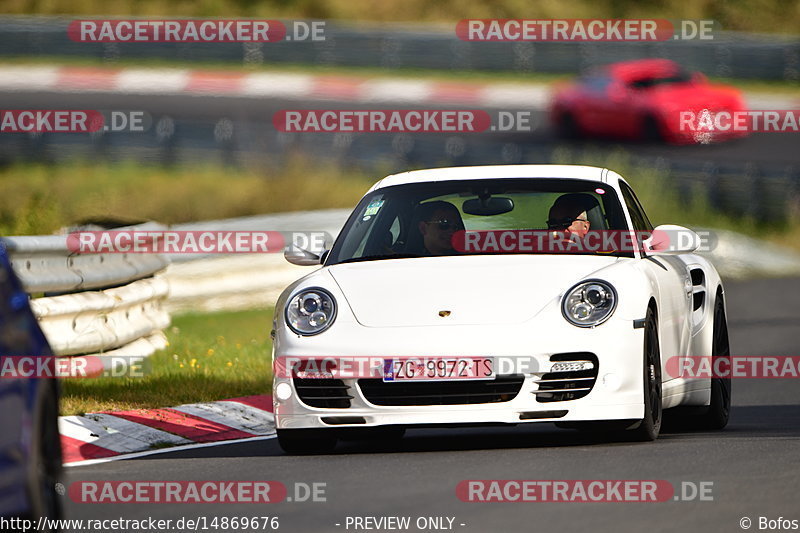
x: 242, y: 281
x: 93, y: 304
x: 44, y: 264
x: 729, y: 54
x: 92, y: 322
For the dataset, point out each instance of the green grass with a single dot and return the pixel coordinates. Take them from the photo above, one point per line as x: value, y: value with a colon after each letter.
x: 472, y: 76
x: 210, y: 357
x: 39, y: 199
x: 745, y: 15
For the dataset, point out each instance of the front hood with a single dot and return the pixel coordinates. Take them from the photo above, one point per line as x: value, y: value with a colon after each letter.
x: 474, y: 289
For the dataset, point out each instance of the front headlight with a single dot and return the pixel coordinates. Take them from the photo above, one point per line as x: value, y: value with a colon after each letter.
x: 310, y: 311
x: 589, y: 303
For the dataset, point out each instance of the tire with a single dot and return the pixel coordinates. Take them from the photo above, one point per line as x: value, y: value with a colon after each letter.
x: 719, y: 411
x: 45, y: 465
x: 650, y: 426
x: 567, y: 126
x: 651, y: 130
x: 307, y: 441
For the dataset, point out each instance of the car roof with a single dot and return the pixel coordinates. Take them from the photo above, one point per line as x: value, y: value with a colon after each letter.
x: 629, y: 70
x: 576, y: 172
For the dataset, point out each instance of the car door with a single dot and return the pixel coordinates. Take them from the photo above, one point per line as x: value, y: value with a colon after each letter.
x: 674, y: 290
x: 618, y: 110
x: 594, y: 109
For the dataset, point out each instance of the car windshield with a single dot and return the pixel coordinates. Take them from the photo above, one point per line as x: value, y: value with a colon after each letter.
x: 649, y: 82
x: 404, y: 221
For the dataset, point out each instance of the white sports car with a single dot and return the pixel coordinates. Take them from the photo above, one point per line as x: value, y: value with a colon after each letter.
x: 492, y: 295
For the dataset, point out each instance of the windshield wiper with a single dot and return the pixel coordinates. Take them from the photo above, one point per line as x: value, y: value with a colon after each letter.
x: 378, y: 257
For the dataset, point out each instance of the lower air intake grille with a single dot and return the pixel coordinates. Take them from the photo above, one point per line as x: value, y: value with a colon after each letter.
x: 500, y: 389
x: 326, y: 393
x: 569, y: 385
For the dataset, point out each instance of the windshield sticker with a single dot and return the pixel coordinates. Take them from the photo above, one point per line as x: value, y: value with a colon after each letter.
x: 373, y: 208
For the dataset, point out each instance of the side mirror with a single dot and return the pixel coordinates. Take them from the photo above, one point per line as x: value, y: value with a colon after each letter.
x: 298, y: 256
x: 669, y: 239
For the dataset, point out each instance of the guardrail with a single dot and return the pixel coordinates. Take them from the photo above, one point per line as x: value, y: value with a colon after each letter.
x: 93, y: 304
x: 729, y: 54
x: 242, y: 281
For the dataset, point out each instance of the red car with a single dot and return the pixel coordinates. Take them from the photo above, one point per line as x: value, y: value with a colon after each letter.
x: 646, y: 99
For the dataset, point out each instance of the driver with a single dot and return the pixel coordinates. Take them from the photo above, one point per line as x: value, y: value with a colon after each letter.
x: 438, y: 221
x: 569, y: 214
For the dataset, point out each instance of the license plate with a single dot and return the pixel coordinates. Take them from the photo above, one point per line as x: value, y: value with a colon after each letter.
x: 412, y: 369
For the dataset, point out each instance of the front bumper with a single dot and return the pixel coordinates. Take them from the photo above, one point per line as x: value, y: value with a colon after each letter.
x: 615, y: 395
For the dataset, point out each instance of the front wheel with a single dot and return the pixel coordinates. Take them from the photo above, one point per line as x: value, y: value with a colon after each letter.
x: 650, y: 426
x: 567, y: 126
x: 651, y: 130
x: 307, y: 441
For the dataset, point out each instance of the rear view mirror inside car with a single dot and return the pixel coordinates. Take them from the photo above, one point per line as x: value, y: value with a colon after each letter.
x: 488, y: 206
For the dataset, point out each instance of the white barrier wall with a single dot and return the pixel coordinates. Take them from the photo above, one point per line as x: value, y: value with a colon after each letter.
x: 92, y: 304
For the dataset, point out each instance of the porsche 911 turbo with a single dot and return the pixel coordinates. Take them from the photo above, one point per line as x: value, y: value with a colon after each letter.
x: 461, y: 321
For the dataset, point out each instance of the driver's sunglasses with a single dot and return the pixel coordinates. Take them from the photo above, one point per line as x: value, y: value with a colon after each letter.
x: 565, y: 222
x: 444, y: 224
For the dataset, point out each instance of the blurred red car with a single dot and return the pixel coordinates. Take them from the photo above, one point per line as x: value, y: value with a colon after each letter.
x: 646, y: 99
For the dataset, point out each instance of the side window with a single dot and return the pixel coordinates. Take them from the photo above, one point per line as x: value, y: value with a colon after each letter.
x: 638, y: 217
x: 597, y: 82
x: 642, y: 83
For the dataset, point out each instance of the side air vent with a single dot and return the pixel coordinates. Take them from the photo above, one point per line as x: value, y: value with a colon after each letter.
x: 698, y: 288
x: 323, y: 392
x: 575, y: 377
